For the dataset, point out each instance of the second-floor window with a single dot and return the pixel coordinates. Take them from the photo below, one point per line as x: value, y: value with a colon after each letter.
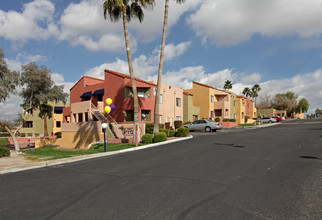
x: 178, y: 102
x: 212, y: 99
x: 161, y: 99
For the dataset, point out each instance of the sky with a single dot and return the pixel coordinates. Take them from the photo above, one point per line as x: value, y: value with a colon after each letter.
x: 276, y: 44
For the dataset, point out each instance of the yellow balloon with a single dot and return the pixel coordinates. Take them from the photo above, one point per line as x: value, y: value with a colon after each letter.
x: 107, y: 109
x: 108, y: 101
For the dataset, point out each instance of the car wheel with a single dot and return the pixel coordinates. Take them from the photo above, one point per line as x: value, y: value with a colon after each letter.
x: 208, y: 129
x: 269, y: 121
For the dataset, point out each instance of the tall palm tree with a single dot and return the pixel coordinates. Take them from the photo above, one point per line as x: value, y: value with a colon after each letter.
x: 128, y: 9
x: 255, y: 89
x: 247, y: 92
x: 164, y: 32
x: 228, y: 85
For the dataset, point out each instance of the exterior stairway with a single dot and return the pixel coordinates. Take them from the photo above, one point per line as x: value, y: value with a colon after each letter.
x: 103, y: 119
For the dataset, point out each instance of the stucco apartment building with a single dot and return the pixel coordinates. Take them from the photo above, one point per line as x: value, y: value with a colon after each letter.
x: 170, y: 104
x: 190, y: 112
x: 233, y: 104
x: 34, y: 125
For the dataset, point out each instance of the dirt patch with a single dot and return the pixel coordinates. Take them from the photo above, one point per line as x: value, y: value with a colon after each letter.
x: 15, y: 159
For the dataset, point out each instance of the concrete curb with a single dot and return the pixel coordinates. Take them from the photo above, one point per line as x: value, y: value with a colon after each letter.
x: 84, y: 157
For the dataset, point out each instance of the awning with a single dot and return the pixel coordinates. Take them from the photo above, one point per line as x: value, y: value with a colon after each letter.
x: 58, y: 108
x: 99, y: 92
x: 86, y: 95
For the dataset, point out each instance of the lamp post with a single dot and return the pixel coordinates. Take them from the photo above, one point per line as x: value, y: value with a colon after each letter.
x: 104, y: 126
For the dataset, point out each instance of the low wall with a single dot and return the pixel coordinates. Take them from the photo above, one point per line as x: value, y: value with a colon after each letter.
x: 79, y: 140
x: 229, y: 124
x: 125, y: 131
x: 43, y: 141
x: 22, y: 140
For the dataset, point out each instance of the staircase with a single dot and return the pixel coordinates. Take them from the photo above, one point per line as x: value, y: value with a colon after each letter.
x: 99, y: 115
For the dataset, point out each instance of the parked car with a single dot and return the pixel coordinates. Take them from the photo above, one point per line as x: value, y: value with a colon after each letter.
x: 268, y: 120
x: 278, y: 118
x: 204, y: 124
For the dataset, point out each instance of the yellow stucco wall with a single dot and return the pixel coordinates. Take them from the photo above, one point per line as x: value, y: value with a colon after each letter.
x: 240, y: 110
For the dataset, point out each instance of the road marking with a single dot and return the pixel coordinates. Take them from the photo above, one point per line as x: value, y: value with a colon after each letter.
x: 312, y: 122
x: 290, y: 123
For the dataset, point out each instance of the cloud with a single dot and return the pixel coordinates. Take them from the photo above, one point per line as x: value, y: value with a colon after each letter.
x: 23, y: 59
x: 35, y: 22
x: 235, y: 21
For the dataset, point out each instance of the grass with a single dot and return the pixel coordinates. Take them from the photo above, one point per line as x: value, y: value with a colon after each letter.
x: 3, y: 141
x: 51, y: 153
x: 246, y: 125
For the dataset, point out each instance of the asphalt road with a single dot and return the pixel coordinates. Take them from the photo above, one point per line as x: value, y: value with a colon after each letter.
x: 267, y: 173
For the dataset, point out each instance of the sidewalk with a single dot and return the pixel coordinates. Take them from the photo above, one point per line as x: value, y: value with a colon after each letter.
x: 16, y: 162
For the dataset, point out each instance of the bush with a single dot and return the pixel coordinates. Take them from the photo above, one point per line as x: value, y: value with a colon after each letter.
x: 159, y: 137
x: 5, y: 135
x: 57, y: 134
x: 172, y: 133
x: 232, y: 120
x: 226, y: 120
x: 150, y: 126
x: 167, y: 125
x: 147, y: 139
x: 177, y: 124
x: 4, y: 152
x: 182, y: 132
x: 187, y: 122
x: 217, y: 119
x: 166, y: 131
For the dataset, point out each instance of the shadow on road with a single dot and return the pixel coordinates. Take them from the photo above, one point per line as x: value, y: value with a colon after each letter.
x: 229, y: 145
x: 311, y: 157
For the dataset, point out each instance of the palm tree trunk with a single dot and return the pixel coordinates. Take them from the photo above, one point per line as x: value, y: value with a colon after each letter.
x: 157, y: 101
x: 136, y: 133
x: 45, y: 126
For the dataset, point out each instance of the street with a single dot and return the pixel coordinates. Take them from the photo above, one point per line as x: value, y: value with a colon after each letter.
x: 266, y: 173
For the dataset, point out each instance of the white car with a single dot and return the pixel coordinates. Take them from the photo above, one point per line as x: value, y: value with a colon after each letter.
x: 268, y: 120
x: 204, y: 124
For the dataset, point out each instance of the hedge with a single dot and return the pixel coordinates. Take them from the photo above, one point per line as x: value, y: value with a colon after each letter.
x: 182, y: 132
x: 159, y: 137
x: 177, y: 124
x: 147, y: 139
x: 166, y: 131
x: 217, y: 119
x: 4, y: 152
x: 172, y: 133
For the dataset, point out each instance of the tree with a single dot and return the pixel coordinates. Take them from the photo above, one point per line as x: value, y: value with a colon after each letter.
x: 228, y: 85
x: 39, y: 91
x: 247, y: 92
x: 287, y: 101
x: 8, y: 82
x: 318, y: 113
x: 157, y: 98
x: 128, y: 9
x: 303, y: 106
x: 265, y: 102
x: 255, y: 90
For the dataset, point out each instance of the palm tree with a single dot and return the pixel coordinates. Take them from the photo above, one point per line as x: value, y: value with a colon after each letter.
x: 255, y: 89
x: 228, y: 85
x: 127, y: 9
x: 247, y: 92
x: 164, y: 32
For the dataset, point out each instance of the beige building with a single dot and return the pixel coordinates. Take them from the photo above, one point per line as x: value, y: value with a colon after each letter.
x: 171, y: 104
x: 222, y: 104
x: 34, y: 125
x: 271, y: 112
x: 233, y: 104
x: 240, y: 109
x: 190, y: 112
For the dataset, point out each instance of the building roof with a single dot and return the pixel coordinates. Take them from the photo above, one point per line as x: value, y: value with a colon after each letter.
x: 187, y: 93
x: 84, y: 77
x: 200, y: 84
x: 127, y: 76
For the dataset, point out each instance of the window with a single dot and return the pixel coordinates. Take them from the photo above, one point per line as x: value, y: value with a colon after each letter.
x: 80, y: 117
x: 178, y: 102
x: 218, y: 112
x: 160, y: 119
x: 146, y: 115
x: 212, y: 99
x: 161, y: 99
x: 58, y: 110
x: 212, y: 114
x: 28, y: 124
x: 58, y: 124
x: 234, y: 102
x: 178, y: 118
x: 100, y: 98
x: 141, y: 94
x: 86, y: 116
x: 29, y: 111
x: 129, y: 115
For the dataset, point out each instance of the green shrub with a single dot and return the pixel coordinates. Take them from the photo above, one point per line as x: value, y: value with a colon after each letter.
x: 159, y: 137
x: 182, y: 132
x: 166, y: 131
x: 232, y: 120
x: 172, y: 133
x: 149, y: 128
x: 167, y: 125
x: 217, y: 119
x: 226, y: 120
x: 147, y: 138
x: 177, y: 124
x: 187, y: 122
x: 4, y: 152
x: 5, y: 135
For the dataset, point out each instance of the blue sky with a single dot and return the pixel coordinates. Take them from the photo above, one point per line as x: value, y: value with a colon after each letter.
x: 276, y: 44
